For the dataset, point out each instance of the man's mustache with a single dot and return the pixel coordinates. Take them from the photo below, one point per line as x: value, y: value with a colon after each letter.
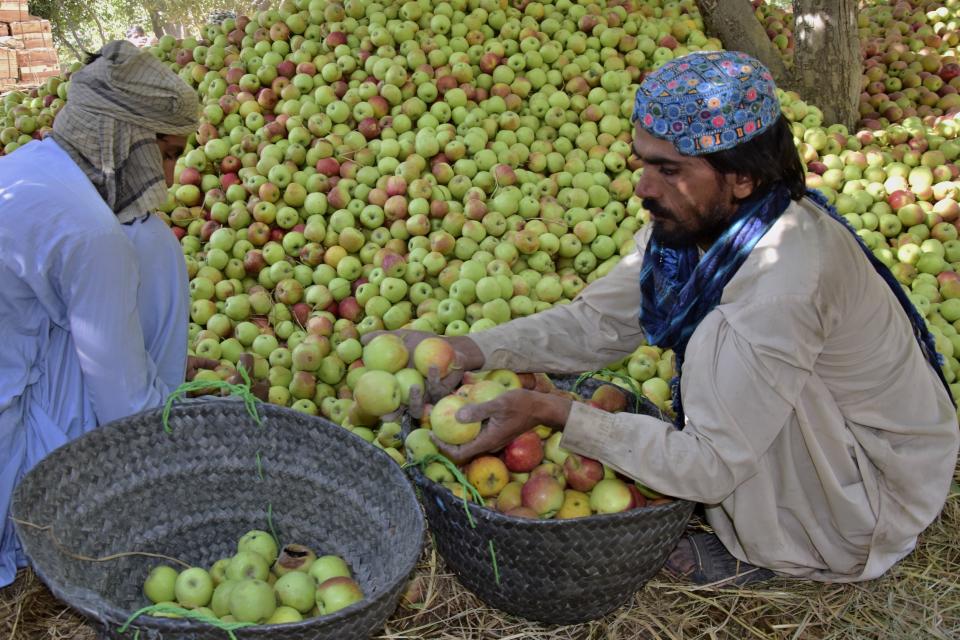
x: 654, y: 207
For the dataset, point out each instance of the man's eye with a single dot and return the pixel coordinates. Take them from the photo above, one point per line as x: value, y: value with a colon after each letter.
x: 668, y: 171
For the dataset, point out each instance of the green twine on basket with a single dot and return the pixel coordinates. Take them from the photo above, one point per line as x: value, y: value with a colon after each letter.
x: 240, y: 390
x: 631, y: 383
x: 468, y: 488
x: 229, y: 627
x: 273, y: 532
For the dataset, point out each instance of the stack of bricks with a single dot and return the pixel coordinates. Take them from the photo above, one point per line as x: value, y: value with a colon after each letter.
x: 29, y: 56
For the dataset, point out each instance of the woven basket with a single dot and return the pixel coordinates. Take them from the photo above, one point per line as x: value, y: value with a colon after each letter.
x: 191, y: 494
x: 553, y: 571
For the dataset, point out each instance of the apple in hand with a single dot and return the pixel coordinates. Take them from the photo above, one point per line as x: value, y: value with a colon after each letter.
x: 434, y: 352
x: 446, y: 427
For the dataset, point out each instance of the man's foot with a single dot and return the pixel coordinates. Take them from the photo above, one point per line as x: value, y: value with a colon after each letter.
x: 702, y: 559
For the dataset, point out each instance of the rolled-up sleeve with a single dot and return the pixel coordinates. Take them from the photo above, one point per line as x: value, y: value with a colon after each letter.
x: 600, y: 326
x: 738, y: 394
x: 99, y: 282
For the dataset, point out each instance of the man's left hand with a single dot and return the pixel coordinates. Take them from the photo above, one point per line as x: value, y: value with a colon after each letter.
x: 507, y: 416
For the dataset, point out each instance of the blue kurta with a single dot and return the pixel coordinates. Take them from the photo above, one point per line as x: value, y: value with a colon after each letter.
x: 72, y: 354
x: 163, y: 297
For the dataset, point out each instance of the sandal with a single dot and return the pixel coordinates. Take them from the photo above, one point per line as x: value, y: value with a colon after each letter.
x: 702, y: 559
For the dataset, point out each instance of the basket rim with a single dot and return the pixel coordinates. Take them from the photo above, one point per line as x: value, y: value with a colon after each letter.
x: 107, y: 613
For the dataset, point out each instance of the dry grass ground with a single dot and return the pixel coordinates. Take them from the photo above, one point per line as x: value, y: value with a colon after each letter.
x: 919, y: 598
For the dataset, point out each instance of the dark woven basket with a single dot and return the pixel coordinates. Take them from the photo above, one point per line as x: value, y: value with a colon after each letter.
x: 554, y: 571
x: 191, y: 494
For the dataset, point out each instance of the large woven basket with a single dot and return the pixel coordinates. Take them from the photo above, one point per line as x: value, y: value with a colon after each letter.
x: 191, y: 494
x: 553, y: 571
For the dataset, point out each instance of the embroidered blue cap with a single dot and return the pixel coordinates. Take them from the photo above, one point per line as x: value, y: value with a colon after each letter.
x: 707, y: 101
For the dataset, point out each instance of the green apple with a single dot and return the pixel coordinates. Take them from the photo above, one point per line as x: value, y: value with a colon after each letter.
x: 193, y: 588
x: 246, y: 565
x: 219, y: 570
x: 296, y: 589
x: 408, y: 378
x: 385, y: 352
x: 377, y: 393
x: 159, y: 585
x: 220, y: 602
x: 337, y: 593
x: 419, y: 444
x: 443, y: 421
x: 610, y: 495
x: 329, y: 566
x: 284, y: 615
x: 259, y: 542
x: 252, y: 601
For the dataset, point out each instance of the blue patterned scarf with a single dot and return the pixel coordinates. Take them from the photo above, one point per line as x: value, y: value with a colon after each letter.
x: 679, y: 288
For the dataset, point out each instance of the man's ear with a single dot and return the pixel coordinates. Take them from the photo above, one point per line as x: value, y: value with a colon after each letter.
x: 742, y: 185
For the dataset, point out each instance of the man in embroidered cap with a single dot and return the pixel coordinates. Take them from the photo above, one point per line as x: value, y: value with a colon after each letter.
x: 74, y: 352
x: 813, y: 421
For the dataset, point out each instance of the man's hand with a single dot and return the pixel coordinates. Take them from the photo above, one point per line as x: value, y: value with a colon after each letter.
x: 468, y: 358
x: 507, y: 416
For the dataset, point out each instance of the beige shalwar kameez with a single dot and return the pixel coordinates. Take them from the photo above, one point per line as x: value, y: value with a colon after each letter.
x: 818, y: 436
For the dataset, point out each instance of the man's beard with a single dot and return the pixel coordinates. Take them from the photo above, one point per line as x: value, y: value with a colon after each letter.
x: 702, y: 230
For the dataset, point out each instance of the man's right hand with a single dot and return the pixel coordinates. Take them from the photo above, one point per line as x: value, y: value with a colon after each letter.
x: 468, y: 358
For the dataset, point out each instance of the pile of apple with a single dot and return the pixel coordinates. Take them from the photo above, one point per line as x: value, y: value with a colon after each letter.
x: 443, y: 166
x: 910, y: 57
x: 533, y: 476
x: 260, y: 584
x: 449, y: 166
x: 27, y: 116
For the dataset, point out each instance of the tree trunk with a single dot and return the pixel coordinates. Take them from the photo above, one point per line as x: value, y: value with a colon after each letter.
x: 103, y: 36
x: 77, y: 49
x: 734, y: 22
x: 156, y: 24
x: 827, y: 64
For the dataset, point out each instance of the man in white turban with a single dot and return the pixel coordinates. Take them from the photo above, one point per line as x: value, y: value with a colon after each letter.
x: 74, y: 351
